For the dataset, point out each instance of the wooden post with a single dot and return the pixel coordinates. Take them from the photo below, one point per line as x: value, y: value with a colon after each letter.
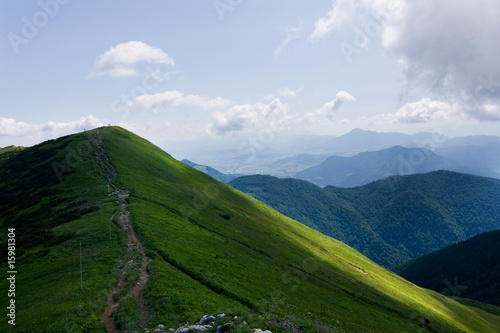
x: 81, y: 280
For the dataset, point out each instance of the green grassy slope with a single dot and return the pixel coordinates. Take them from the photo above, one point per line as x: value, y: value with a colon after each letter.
x: 475, y: 264
x: 55, y: 198
x: 214, y: 250
x: 391, y: 220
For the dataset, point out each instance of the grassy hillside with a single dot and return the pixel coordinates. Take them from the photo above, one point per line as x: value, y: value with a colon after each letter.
x: 474, y: 264
x: 213, y: 250
x: 55, y: 198
x: 391, y: 220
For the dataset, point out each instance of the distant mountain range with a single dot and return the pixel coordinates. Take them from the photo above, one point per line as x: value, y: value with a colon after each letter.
x: 225, y: 178
x: 469, y: 269
x: 479, y: 157
x: 390, y: 220
x: 316, y: 158
x: 366, y: 167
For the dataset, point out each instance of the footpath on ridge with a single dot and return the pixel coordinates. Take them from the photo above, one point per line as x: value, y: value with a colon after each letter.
x: 119, y: 292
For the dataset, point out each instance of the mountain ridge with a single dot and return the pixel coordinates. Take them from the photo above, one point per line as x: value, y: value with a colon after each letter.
x: 389, y: 220
x: 280, y: 156
x: 216, y: 174
x: 468, y: 269
x: 366, y: 167
x: 213, y: 250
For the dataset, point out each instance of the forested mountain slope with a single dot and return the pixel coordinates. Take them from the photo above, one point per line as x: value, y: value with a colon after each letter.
x: 391, y: 220
x: 469, y: 269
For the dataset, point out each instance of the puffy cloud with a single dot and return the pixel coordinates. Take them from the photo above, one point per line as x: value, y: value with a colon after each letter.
x: 330, y: 108
x: 11, y: 127
x: 488, y: 112
x: 119, y: 60
x: 291, y: 34
x: 447, y: 46
x: 427, y: 110
x: 162, y: 101
x: 274, y: 115
x: 22, y: 133
x: 59, y: 129
x: 423, y: 111
x: 341, y: 12
x: 356, y: 15
x: 289, y: 92
x: 444, y: 47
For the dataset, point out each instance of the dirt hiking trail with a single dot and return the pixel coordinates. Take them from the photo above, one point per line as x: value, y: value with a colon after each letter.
x: 110, y: 175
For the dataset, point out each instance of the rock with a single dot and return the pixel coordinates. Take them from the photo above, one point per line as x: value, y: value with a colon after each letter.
x: 194, y: 328
x: 258, y: 330
x: 161, y: 326
x: 244, y: 323
x: 220, y: 316
x: 224, y: 328
x: 199, y: 328
x: 171, y: 330
x: 206, y: 319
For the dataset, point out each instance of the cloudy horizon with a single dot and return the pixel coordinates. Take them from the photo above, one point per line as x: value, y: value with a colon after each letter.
x: 222, y: 70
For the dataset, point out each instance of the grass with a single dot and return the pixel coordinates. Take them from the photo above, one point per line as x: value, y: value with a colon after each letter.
x: 127, y: 316
x: 214, y: 250
x: 486, y: 307
x: 273, y: 265
x: 48, y: 294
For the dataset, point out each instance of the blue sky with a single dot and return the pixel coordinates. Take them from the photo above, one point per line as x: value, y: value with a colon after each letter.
x: 217, y: 71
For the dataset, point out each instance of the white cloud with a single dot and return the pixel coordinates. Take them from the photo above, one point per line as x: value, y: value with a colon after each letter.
x: 444, y: 47
x: 422, y: 111
x: 330, y: 108
x: 427, y: 110
x: 360, y: 15
x: 488, y: 112
x: 289, y: 92
x: 291, y: 34
x: 22, y: 133
x: 343, y: 13
x: 11, y: 127
x: 162, y: 101
x: 119, y: 60
x: 274, y: 116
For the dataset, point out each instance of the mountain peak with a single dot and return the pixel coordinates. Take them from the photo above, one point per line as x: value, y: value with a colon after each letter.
x: 358, y: 131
